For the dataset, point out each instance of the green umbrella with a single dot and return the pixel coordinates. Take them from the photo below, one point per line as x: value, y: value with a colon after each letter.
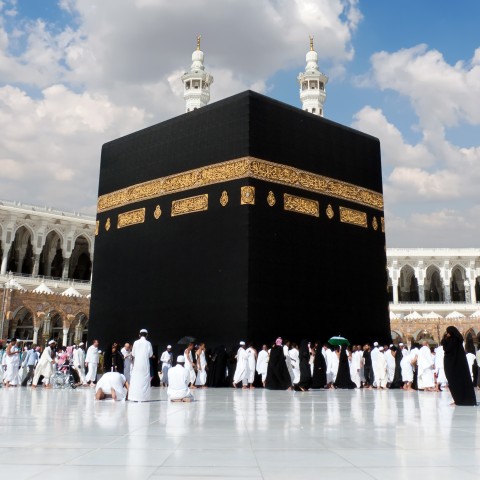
x: 338, y: 341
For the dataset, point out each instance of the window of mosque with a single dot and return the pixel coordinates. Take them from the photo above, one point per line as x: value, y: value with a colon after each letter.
x: 196, y: 84
x: 314, y: 110
x: 321, y: 112
x: 322, y: 86
x: 187, y: 85
x: 304, y: 85
x: 313, y: 85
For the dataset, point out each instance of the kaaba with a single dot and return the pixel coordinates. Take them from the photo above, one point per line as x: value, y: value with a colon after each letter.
x: 246, y: 219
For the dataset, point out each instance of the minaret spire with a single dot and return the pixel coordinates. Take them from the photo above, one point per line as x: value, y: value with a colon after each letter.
x: 312, y: 84
x: 196, y: 82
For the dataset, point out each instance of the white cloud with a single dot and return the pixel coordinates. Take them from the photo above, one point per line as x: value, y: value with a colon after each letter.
x: 395, y: 151
x: 116, y: 69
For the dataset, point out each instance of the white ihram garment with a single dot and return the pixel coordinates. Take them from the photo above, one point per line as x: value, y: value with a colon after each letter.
x: 262, y: 364
x: 13, y: 364
x: 390, y: 365
x: 288, y: 362
x: 44, y: 367
x: 178, y: 380
x: 471, y: 360
x: 202, y: 371
x: 406, y: 367
x: 113, y: 380
x: 355, y: 368
x: 373, y: 355
x: 335, y: 361
x: 79, y: 363
x: 380, y: 370
x: 189, y: 366
x: 127, y: 363
x: 425, y: 369
x: 92, y: 360
x: 294, y: 360
x: 251, y: 363
x: 241, y: 370
x: 439, y: 368
x: 139, y: 390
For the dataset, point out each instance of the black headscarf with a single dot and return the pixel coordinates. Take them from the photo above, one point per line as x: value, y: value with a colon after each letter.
x: 319, y: 377
x: 457, y: 370
x: 397, y: 381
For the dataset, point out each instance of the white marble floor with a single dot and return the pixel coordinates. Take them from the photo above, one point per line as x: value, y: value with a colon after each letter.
x: 232, y: 434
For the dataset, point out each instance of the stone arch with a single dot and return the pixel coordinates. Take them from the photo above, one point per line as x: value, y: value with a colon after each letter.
x: 434, y: 289
x: 57, y: 324
x: 397, y: 337
x: 23, y: 324
x: 472, y: 340
x: 408, y: 285
x: 457, y: 287
x: 389, y: 287
x: 51, y: 257
x: 20, y: 255
x: 78, y: 329
x: 80, y: 261
x: 424, y: 335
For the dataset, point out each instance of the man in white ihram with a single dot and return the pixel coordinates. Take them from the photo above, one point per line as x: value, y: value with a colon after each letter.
x: 178, y: 381
x: 126, y: 351
x: 79, y: 362
x: 91, y: 361
x: 142, y: 351
x: 241, y: 370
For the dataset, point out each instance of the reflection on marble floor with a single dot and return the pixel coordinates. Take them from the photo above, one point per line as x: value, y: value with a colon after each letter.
x: 230, y: 433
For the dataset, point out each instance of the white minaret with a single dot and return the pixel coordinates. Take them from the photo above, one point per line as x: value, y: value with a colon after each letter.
x: 196, y: 82
x: 312, y: 84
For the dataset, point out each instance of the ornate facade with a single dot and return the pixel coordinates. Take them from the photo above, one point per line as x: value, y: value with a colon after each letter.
x: 46, y: 263
x: 431, y: 288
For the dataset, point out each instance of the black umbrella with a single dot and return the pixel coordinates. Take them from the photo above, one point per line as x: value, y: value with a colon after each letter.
x: 186, y: 340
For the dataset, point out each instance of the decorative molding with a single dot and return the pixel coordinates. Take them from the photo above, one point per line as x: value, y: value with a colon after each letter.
x: 107, y: 224
x: 97, y: 226
x: 245, y: 167
x: 157, y: 213
x: 198, y: 203
x: 224, y: 198
x: 354, y: 217
x: 382, y: 219
x: 131, y: 218
x: 375, y: 223
x: 247, y: 195
x: 292, y: 203
x: 271, y: 200
x: 329, y: 211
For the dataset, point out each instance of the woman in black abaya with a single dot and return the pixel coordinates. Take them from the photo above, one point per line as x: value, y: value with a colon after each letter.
x: 319, y: 377
x: 397, y: 381
x: 305, y: 372
x: 457, y: 370
x: 344, y: 380
x: 278, y: 377
x: 217, y: 374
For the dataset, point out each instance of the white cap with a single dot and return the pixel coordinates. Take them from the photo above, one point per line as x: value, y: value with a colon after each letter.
x: 51, y: 341
x: 400, y: 344
x: 144, y: 330
x: 169, y: 346
x: 180, y: 359
x: 81, y: 344
x: 381, y: 349
x: 242, y: 343
x: 375, y: 344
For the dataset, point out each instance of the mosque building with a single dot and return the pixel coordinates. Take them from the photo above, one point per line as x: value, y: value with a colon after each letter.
x: 46, y: 258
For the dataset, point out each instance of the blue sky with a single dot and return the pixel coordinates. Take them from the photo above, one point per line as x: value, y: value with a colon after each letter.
x: 77, y: 73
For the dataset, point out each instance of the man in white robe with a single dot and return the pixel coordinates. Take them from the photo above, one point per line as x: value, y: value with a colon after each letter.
x: 262, y: 363
x: 407, y: 370
x: 380, y: 369
x: 373, y: 355
x: 439, y: 367
x: 11, y: 377
x: 335, y: 362
x: 390, y: 364
x: 167, y: 362
x: 295, y: 361
x: 178, y: 381
x: 112, y: 385
x: 79, y: 362
x: 252, y: 363
x: 189, y: 364
x: 288, y: 361
x: 425, y: 365
x: 126, y: 351
x: 45, y: 366
x: 328, y: 354
x: 241, y: 370
x: 142, y: 351
x: 355, y: 366
x: 91, y: 361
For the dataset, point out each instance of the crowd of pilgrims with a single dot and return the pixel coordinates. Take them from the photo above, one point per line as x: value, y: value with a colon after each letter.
x: 282, y: 366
